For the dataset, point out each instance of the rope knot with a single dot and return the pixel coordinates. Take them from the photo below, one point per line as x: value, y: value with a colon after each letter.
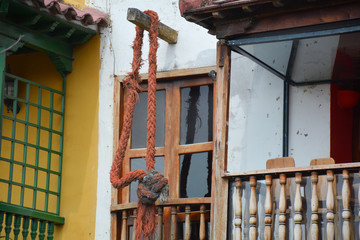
x: 153, y: 186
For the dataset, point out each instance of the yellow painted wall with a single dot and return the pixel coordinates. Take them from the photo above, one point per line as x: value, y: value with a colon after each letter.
x: 80, y: 153
x: 78, y: 201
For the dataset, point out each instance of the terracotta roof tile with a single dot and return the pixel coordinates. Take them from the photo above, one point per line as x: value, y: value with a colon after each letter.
x: 87, y: 16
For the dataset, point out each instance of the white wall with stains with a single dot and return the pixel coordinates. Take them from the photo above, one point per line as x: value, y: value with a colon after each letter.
x: 256, y: 105
x: 195, y: 48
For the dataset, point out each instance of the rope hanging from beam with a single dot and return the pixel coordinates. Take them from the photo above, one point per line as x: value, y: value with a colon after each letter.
x: 152, y: 184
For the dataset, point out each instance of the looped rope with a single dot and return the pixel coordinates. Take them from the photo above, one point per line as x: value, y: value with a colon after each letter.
x: 152, y: 185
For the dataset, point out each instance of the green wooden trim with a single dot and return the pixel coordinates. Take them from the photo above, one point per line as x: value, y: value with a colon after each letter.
x: 22, y: 211
x: 35, y: 84
x: 27, y: 123
x: 31, y: 166
x: 2, y: 80
x: 31, y: 187
x: 32, y: 145
x: 37, y: 41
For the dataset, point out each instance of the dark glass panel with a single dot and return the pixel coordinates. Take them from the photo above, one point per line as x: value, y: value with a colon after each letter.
x: 140, y: 164
x: 138, y: 131
x: 196, y: 114
x: 195, y: 175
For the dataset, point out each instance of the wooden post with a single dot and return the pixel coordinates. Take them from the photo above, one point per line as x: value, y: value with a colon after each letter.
x: 143, y: 20
x: 253, y: 210
x: 187, y: 222
x: 202, y: 223
x: 282, y: 208
x: 160, y: 223
x: 346, y: 214
x: 298, y: 208
x: 314, y: 207
x: 268, y: 208
x: 173, y: 224
x: 124, y: 233
x: 133, y: 237
x: 238, y: 209
x: 219, y: 190
x: 330, y: 232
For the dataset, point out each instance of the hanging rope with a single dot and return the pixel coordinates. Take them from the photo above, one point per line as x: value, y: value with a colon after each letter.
x: 152, y: 184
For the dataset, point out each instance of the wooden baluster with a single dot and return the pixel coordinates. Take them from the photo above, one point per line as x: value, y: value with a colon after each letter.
x: 314, y: 207
x: 346, y: 214
x: 17, y: 223
x: 282, y: 208
x: 202, y: 223
x: 133, y: 237
x: 173, y: 224
x: 50, y: 231
x: 8, y: 223
x: 238, y: 209
x: 253, y: 209
x: 42, y: 228
x: 124, y: 234
x: 330, y: 232
x: 298, y: 208
x: 187, y: 222
x: 34, y: 226
x: 1, y: 220
x: 25, y: 227
x: 160, y: 223
x: 268, y: 208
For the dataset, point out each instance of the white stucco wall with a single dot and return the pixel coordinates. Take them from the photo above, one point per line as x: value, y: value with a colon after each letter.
x: 195, y: 48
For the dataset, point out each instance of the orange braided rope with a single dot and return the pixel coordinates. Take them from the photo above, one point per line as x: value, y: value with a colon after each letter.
x: 151, y: 184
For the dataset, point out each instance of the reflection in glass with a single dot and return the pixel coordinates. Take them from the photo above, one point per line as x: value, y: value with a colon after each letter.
x: 196, y: 114
x: 195, y: 175
x: 138, y: 130
x: 140, y: 164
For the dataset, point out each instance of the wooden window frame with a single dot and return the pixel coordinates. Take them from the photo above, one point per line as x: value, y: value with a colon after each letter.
x: 181, y: 79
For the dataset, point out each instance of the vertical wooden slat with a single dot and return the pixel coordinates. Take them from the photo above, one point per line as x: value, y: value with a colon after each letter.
x: 50, y: 231
x: 42, y: 228
x: 8, y: 223
x: 282, y: 208
x: 238, y: 209
x: 330, y: 232
x: 298, y: 208
x: 124, y: 233
x: 253, y: 209
x: 268, y: 208
x: 314, y: 207
x: 133, y: 237
x: 2, y: 219
x: 187, y: 222
x: 17, y: 223
x: 202, y: 223
x: 34, y: 226
x: 173, y: 224
x: 346, y: 214
x: 25, y: 227
x: 160, y: 223
x: 219, y: 189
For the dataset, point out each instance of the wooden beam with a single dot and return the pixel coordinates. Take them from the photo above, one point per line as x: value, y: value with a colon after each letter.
x: 219, y: 189
x: 143, y: 20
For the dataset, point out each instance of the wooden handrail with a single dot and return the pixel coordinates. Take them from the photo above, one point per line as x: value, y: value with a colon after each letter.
x: 170, y: 202
x: 290, y: 172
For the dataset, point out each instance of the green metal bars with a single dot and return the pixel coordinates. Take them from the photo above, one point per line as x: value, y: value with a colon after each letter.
x: 31, y: 146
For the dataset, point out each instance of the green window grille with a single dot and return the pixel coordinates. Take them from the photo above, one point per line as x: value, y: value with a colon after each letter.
x: 31, y: 148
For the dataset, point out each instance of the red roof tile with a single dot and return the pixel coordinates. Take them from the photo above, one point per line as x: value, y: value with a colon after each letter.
x: 87, y: 16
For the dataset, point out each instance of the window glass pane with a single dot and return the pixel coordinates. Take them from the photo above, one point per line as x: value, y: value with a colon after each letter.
x: 196, y: 114
x: 138, y: 131
x: 195, y: 175
x: 140, y: 164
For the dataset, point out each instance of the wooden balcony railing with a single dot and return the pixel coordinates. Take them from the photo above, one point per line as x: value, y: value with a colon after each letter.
x: 184, y: 218
x: 315, y: 202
